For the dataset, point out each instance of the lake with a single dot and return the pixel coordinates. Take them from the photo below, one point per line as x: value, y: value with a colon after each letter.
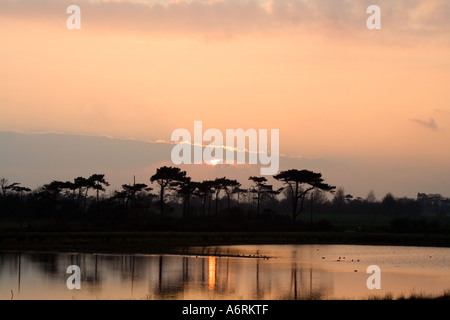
x: 241, y: 272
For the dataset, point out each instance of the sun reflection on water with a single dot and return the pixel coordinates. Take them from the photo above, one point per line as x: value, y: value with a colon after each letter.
x: 212, y: 272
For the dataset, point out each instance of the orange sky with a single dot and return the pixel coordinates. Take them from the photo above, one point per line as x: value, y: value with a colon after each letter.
x: 308, y: 68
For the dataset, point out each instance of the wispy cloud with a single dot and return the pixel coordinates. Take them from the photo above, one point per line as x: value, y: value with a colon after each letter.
x: 430, y: 124
x: 418, y: 18
x: 442, y: 111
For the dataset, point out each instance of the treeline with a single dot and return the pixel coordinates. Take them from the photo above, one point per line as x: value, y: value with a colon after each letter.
x: 172, y: 198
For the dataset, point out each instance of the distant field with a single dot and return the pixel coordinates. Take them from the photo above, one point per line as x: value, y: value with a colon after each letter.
x: 374, y: 221
x: 172, y: 222
x: 350, y: 221
x: 176, y: 242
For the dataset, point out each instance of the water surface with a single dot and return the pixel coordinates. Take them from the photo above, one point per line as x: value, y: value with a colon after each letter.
x: 229, y: 272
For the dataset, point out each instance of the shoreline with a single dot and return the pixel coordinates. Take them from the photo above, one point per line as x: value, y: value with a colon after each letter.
x: 178, y: 242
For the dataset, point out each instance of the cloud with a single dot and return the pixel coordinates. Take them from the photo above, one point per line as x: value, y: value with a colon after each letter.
x: 430, y: 124
x: 442, y: 111
x: 35, y: 159
x: 415, y: 18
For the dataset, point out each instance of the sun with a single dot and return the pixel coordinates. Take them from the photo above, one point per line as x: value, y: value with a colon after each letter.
x: 214, y: 162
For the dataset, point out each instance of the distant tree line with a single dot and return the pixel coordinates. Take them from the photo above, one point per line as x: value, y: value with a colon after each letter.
x: 173, y: 196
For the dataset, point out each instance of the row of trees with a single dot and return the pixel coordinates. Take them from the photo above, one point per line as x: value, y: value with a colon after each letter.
x: 302, y: 190
x: 79, y: 189
x: 298, y: 184
x: 172, y: 181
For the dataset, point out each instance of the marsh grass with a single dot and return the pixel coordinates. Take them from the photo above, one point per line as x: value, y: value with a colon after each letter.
x: 412, y: 296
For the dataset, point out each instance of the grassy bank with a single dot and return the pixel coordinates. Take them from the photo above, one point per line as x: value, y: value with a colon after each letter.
x: 413, y: 296
x: 175, y: 242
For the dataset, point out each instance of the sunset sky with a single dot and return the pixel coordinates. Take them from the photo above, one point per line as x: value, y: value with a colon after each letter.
x: 373, y: 104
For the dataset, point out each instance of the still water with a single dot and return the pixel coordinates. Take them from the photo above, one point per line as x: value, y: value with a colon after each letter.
x: 229, y: 272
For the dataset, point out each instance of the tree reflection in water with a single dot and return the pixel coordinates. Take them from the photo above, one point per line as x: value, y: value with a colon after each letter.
x: 160, y: 277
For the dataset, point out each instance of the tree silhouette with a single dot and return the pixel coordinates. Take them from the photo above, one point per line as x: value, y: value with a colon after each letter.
x: 20, y: 190
x: 71, y: 187
x: 371, y: 198
x: 5, y: 186
x: 348, y: 198
x: 51, y: 193
x: 261, y: 189
x: 339, y: 200
x: 389, y: 203
x: 239, y: 192
x: 121, y: 197
x: 83, y: 186
x: 204, y: 191
x: 228, y: 186
x: 299, y: 183
x: 3, y: 183
x: 98, y: 182
x: 216, y: 187
x: 339, y: 196
x: 129, y: 192
x: 186, y: 188
x: 54, y: 188
x: 165, y: 177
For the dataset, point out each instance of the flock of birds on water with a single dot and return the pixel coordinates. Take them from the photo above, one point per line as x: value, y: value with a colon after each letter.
x: 257, y: 256
x: 343, y: 258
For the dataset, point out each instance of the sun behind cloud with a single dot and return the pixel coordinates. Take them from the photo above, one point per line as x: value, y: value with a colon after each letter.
x: 214, y: 162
